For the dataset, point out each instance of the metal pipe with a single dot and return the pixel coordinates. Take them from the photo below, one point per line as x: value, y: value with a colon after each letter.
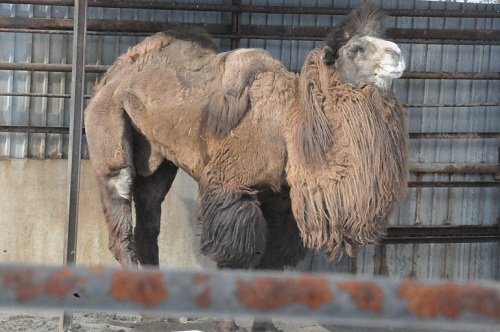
x: 34, y: 94
x: 75, y: 129
x: 235, y: 25
x: 163, y: 5
x: 66, y: 95
x: 64, y: 130
x: 465, y: 135
x: 453, y: 184
x: 34, y: 129
x: 246, y: 31
x: 59, y: 67
x: 332, y: 298
x: 216, y: 35
x: 50, y: 67
x: 497, y: 175
x: 482, y: 104
x: 469, y: 168
x: 441, y: 234
x: 452, y: 75
x: 75, y: 142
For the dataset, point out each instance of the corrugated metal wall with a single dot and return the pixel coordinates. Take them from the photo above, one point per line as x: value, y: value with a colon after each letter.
x: 423, y: 206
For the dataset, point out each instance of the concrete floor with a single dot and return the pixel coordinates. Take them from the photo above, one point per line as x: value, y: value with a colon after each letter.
x: 11, y: 321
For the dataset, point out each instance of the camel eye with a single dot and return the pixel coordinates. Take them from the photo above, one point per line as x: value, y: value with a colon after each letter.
x: 353, y: 51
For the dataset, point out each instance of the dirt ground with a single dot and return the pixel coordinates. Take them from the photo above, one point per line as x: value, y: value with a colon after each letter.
x: 86, y: 322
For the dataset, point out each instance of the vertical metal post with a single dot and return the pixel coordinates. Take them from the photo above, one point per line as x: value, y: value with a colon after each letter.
x: 497, y: 175
x: 75, y: 140
x: 235, y: 25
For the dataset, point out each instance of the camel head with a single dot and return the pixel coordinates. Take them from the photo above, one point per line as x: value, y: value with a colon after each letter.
x: 358, y: 51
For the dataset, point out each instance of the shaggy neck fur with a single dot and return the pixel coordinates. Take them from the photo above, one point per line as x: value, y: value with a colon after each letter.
x: 346, y: 198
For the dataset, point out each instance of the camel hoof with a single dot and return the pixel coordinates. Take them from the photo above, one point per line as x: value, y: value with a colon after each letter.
x: 264, y: 327
x: 229, y: 326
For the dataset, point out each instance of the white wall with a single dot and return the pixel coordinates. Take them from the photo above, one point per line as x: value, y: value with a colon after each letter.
x: 32, y: 217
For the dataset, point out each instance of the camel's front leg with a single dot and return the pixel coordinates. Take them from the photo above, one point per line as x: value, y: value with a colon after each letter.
x: 149, y: 193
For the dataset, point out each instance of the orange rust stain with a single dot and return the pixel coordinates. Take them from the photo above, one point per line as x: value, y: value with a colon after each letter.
x: 367, y: 295
x: 59, y: 283
x: 200, y: 279
x: 450, y: 300
x: 62, y: 282
x: 15, y: 277
x: 22, y: 282
x: 266, y: 293
x: 96, y: 269
x: 141, y: 287
x: 204, y: 299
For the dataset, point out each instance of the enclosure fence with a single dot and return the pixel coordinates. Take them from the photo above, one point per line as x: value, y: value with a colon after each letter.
x: 327, y: 298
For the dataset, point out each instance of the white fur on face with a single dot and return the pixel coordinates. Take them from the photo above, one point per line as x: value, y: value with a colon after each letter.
x: 370, y: 60
x: 392, y: 62
x: 122, y: 182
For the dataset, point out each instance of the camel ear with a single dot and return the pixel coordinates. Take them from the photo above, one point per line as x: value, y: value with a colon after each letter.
x: 314, y: 136
x: 328, y: 55
x: 367, y: 19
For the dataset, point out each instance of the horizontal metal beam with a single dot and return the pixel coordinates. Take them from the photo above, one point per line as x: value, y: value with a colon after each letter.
x: 400, y: 41
x: 447, y: 105
x: 327, y: 298
x: 441, y: 234
x: 165, y: 5
x: 452, y: 135
x: 469, y: 168
x: 455, y: 135
x: 57, y: 67
x: 452, y: 75
x: 429, y: 105
x: 453, y: 184
x: 34, y: 129
x: 248, y: 31
x: 49, y: 67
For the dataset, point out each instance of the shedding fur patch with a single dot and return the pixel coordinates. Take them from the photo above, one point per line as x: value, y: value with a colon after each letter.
x: 122, y: 183
x: 237, y: 71
x: 346, y: 200
x: 145, y: 52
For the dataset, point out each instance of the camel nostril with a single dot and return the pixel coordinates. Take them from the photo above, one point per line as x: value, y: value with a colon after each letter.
x: 395, y: 55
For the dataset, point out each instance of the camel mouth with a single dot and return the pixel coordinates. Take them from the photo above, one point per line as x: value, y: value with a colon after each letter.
x: 391, y: 71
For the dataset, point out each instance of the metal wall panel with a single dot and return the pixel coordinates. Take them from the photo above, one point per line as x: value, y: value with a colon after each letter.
x: 423, y: 206
x: 448, y: 206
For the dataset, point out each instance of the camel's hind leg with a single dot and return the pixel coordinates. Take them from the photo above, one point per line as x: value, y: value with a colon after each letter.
x: 149, y: 193
x: 109, y: 137
x: 118, y: 213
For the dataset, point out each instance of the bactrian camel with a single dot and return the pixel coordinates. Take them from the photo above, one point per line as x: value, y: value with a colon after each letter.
x: 283, y: 161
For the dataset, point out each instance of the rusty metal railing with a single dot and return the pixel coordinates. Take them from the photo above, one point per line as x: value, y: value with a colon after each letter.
x: 328, y: 298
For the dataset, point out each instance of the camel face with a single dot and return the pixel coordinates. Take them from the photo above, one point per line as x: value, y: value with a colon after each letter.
x: 370, y: 60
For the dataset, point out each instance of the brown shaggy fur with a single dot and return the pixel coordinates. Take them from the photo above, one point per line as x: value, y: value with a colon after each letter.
x: 247, y: 131
x: 346, y: 199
